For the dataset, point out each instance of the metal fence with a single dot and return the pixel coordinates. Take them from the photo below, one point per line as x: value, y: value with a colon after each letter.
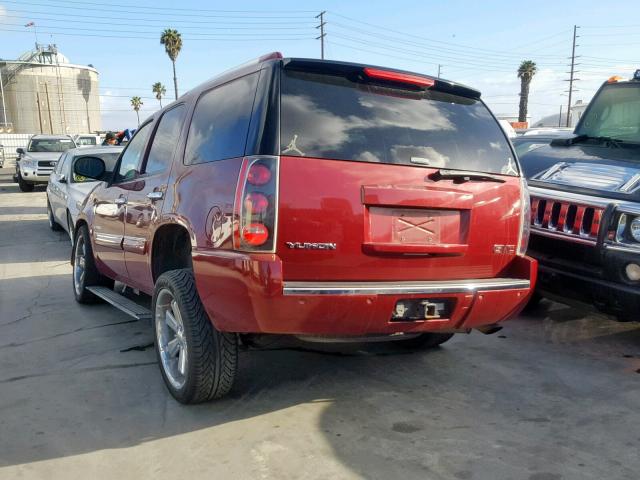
x: 9, y: 142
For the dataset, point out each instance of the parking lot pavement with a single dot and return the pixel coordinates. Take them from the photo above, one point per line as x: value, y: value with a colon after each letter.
x: 555, y: 395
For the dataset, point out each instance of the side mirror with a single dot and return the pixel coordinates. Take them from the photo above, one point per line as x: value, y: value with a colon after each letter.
x: 89, y: 167
x: 20, y: 151
x: 62, y: 178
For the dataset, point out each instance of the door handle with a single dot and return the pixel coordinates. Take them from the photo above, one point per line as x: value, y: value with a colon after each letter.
x: 156, y: 195
x: 120, y: 201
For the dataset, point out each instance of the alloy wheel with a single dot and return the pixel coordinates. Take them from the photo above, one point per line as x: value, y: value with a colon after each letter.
x: 50, y: 215
x: 171, y: 338
x: 79, y: 265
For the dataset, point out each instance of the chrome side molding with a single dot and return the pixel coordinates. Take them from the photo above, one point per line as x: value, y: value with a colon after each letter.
x: 404, y: 288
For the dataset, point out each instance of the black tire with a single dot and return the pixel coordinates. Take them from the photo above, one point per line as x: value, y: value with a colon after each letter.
x: 425, y: 340
x: 212, y: 356
x: 24, y: 186
x: 91, y: 275
x: 53, y: 225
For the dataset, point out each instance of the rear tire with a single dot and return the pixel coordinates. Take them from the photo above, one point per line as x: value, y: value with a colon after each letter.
x: 198, y: 363
x: 53, y: 225
x: 24, y: 186
x: 426, y: 340
x: 85, y: 273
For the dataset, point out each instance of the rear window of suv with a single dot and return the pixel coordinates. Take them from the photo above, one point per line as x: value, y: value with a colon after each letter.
x: 333, y: 117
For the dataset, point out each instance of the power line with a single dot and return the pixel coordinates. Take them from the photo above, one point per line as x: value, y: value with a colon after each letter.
x: 143, y: 32
x: 425, y: 39
x: 173, y: 14
x: 155, y: 8
x: 208, y: 26
x: 130, y: 37
x: 28, y: 14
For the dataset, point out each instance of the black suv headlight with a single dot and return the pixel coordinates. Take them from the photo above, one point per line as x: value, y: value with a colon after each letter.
x: 628, y: 229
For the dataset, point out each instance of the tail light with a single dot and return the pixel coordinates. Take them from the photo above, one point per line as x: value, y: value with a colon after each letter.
x: 256, y: 205
x: 525, y: 218
x: 399, y: 77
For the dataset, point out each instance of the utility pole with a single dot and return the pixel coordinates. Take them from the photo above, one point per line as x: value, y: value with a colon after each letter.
x: 560, y: 117
x: 322, y: 34
x: 572, y: 74
x: 439, y: 70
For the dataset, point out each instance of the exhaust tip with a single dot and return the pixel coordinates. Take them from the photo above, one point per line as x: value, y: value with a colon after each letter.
x: 489, y: 329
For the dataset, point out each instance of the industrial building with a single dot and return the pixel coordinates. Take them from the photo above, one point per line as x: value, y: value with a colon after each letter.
x: 43, y: 92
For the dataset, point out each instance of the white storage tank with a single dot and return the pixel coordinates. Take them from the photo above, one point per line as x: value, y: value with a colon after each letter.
x: 45, y: 93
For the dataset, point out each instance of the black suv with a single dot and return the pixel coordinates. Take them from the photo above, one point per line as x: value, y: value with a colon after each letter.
x: 585, y: 199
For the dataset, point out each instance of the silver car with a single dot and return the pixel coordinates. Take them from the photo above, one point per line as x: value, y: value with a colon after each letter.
x: 66, y: 191
x: 37, y: 161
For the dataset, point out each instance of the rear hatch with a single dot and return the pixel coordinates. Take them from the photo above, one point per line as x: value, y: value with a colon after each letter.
x: 389, y: 176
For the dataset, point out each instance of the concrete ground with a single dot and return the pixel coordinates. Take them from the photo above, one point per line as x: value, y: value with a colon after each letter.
x: 555, y: 395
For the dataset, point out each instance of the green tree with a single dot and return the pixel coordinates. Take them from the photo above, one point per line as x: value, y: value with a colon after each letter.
x: 172, y: 41
x: 136, y: 103
x: 526, y: 71
x: 159, y: 90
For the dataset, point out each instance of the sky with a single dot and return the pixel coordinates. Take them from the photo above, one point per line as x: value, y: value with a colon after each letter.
x: 476, y: 43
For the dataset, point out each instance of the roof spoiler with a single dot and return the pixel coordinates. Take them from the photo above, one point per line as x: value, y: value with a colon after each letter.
x: 364, y: 72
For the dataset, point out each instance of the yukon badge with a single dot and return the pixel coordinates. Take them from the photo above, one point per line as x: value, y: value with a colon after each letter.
x: 311, y: 246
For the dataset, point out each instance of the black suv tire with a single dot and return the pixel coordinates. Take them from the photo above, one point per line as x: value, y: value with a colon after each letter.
x: 211, y: 359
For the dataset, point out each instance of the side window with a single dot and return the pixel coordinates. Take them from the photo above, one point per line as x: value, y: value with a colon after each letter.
x: 165, y: 140
x: 132, y: 156
x: 62, y: 164
x: 61, y: 160
x: 221, y: 121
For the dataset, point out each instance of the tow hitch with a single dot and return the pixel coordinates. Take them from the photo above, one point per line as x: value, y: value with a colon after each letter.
x: 421, y: 309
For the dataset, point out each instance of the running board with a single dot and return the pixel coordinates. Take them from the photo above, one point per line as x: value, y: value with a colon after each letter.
x: 122, y: 303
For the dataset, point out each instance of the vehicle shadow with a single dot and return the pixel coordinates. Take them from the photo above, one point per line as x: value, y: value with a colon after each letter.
x: 23, y: 241
x: 78, y: 379
x: 22, y: 210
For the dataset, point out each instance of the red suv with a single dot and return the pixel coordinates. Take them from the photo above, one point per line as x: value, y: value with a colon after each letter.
x: 321, y: 199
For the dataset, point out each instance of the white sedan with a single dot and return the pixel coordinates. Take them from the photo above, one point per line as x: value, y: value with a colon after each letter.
x: 66, y: 191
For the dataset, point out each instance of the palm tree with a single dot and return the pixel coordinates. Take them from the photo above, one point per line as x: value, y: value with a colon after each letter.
x: 159, y: 90
x: 526, y: 71
x: 172, y: 41
x: 136, y: 103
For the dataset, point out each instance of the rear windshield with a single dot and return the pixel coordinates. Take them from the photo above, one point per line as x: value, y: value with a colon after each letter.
x: 50, y: 145
x: 86, y: 141
x: 333, y: 117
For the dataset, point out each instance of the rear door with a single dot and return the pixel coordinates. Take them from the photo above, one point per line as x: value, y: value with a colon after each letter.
x: 372, y: 183
x: 144, y: 202
x: 110, y: 205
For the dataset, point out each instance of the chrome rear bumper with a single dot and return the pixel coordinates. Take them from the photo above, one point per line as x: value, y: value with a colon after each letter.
x: 404, y: 288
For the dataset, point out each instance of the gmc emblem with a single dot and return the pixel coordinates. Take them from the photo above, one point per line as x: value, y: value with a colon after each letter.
x: 504, y: 249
